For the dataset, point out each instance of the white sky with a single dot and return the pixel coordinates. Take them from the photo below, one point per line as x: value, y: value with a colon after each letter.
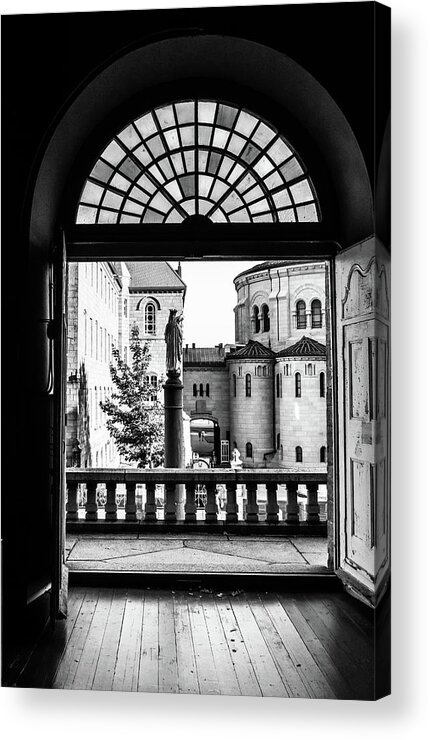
x: 210, y: 300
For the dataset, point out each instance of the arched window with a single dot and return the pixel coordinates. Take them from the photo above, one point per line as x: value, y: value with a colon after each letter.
x: 316, y: 314
x: 197, y: 157
x: 322, y: 385
x: 264, y: 371
x: 234, y: 385
x: 248, y: 385
x: 309, y: 368
x: 195, y: 389
x: 278, y: 441
x: 301, y: 315
x: 125, y: 307
x: 207, y: 389
x: 259, y: 371
x: 299, y: 454
x: 282, y: 452
x: 154, y: 383
x: 265, y: 317
x: 277, y: 385
x: 248, y: 449
x: 256, y: 320
x: 201, y: 389
x: 323, y: 454
x: 149, y: 318
x: 298, y: 381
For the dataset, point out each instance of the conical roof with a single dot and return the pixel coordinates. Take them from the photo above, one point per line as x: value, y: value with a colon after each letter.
x: 305, y: 347
x: 252, y: 350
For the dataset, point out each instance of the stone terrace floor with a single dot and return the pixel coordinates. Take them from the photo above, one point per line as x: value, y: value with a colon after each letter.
x: 196, y: 553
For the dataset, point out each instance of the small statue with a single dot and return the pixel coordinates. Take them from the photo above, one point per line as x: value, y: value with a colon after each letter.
x: 173, y: 337
x: 236, y: 462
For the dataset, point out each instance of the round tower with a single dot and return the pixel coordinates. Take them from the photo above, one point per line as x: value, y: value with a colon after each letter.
x: 251, y: 402
x: 300, y: 404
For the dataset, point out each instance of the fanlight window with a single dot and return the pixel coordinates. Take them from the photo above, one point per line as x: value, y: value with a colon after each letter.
x: 198, y: 157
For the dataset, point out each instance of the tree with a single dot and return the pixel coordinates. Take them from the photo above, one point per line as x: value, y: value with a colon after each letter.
x: 135, y: 414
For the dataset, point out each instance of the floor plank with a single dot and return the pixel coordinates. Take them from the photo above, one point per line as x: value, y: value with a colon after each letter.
x: 287, y: 668
x: 322, y: 657
x: 86, y: 669
x: 148, y: 668
x: 187, y: 669
x: 75, y: 646
x: 105, y: 669
x: 168, y: 680
x: 309, y: 671
x: 245, y: 673
x: 265, y: 669
x: 127, y: 663
x: 225, y: 669
x: 206, y: 669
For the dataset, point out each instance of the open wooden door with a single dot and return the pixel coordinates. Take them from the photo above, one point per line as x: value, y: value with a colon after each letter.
x: 59, y: 335
x: 362, y: 332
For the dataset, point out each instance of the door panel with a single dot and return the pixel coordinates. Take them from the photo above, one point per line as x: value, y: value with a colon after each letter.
x: 362, y: 308
x: 60, y: 571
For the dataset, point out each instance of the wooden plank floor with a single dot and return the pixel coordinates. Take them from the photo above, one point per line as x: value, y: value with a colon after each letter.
x: 317, y: 645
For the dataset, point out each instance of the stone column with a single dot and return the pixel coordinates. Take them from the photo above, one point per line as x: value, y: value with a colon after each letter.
x: 174, y: 434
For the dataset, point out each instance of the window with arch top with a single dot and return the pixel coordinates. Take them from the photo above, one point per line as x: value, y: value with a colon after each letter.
x: 248, y: 449
x: 322, y: 385
x: 265, y: 320
x: 298, y: 385
x: 256, y: 317
x: 323, y: 454
x: 248, y: 385
x: 198, y: 157
x: 301, y: 315
x: 150, y: 318
x: 316, y: 314
x: 234, y: 385
x: 299, y: 454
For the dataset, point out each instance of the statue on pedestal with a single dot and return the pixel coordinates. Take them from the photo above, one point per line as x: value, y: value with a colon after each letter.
x: 173, y: 337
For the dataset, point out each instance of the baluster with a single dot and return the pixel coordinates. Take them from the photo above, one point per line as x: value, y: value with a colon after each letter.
x: 292, y: 505
x: 110, y: 506
x: 169, y: 502
x: 130, y: 502
x: 150, y: 506
x: 251, y: 502
x: 190, y: 502
x: 211, y: 504
x: 312, y: 506
x: 231, y: 507
x: 272, y: 507
x: 72, y: 508
x: 91, y: 505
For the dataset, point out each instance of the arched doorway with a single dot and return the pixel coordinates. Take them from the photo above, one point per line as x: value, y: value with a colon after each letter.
x: 326, y: 141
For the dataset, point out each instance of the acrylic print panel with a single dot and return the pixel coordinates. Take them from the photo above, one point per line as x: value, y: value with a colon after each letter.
x: 223, y: 523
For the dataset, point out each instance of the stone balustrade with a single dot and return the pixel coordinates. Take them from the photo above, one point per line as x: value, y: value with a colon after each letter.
x: 214, y: 498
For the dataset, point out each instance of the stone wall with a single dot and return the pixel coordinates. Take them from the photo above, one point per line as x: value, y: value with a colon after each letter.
x: 252, y: 417
x: 301, y: 421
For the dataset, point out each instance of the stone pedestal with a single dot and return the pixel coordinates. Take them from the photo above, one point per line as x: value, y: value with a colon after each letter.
x: 174, y: 435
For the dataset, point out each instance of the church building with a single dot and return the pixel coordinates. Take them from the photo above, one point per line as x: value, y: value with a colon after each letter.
x: 265, y: 395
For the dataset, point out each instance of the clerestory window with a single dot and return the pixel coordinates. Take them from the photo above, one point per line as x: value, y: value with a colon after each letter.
x: 198, y: 157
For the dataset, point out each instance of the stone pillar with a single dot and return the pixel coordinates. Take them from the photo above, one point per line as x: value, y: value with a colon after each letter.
x: 174, y: 434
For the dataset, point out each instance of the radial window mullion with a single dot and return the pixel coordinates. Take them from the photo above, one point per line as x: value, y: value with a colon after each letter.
x: 163, y: 138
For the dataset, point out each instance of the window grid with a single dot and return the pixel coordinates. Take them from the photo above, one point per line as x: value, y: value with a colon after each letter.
x: 198, y: 157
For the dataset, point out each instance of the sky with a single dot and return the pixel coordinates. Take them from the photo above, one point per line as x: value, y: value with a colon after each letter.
x: 210, y: 300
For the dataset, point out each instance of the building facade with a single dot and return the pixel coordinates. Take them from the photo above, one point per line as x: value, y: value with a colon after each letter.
x: 265, y: 395
x: 105, y: 300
